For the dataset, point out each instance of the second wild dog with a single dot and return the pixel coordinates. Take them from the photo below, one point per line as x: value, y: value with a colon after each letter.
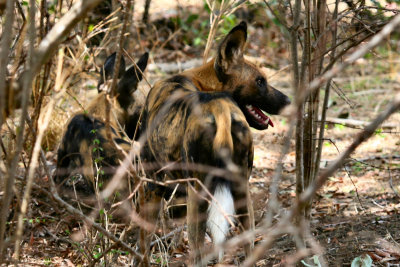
x: 197, y: 125
x: 86, y: 158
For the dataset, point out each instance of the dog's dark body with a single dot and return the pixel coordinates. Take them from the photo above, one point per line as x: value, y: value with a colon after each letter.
x: 199, y: 121
x: 85, y: 152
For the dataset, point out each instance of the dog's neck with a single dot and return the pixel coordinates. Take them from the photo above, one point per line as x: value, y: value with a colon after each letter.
x: 205, y: 78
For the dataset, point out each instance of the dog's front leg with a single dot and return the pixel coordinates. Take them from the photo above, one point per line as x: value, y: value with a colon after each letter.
x: 196, y: 221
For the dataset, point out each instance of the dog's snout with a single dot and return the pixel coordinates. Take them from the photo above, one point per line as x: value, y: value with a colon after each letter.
x: 287, y: 100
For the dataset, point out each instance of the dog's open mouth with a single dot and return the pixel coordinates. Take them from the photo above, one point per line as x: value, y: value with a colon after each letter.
x: 257, y: 116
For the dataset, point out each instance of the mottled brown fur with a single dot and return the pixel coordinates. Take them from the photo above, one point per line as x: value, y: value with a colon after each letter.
x: 86, y: 148
x: 199, y: 119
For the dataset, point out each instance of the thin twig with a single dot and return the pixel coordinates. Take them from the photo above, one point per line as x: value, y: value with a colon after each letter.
x: 42, y: 126
x: 26, y: 85
x: 363, y: 136
x: 326, y: 101
x: 5, y: 45
x: 111, y: 90
x: 307, y: 195
x: 376, y: 40
x: 54, y: 195
x: 55, y: 36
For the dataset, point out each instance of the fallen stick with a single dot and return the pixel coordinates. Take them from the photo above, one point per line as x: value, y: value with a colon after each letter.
x: 357, y: 123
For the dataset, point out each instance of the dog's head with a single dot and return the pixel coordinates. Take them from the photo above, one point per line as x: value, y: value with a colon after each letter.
x: 126, y: 104
x: 129, y: 79
x: 246, y: 82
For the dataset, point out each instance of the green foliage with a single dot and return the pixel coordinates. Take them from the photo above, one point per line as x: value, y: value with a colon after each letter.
x: 339, y: 126
x: 90, y: 28
x: 98, y: 159
x: 47, y: 261
x: 379, y: 133
x: 52, y: 8
x: 195, y: 29
x: 158, y: 260
x: 119, y: 252
x: 192, y: 35
x: 228, y: 22
x: 274, y: 16
x: 357, y: 167
x: 97, y: 254
x: 35, y: 220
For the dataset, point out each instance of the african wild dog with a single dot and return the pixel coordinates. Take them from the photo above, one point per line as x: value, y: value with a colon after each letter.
x: 197, y: 125
x: 85, y: 152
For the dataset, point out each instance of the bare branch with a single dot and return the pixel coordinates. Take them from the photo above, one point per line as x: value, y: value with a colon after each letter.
x: 26, y: 86
x: 54, y: 195
x: 49, y: 44
x: 363, y: 136
x: 316, y: 83
x: 5, y: 46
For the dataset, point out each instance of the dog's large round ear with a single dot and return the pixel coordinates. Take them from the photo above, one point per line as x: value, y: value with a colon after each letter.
x: 130, y: 81
x: 142, y: 62
x: 133, y: 76
x: 230, y: 51
x: 107, y: 70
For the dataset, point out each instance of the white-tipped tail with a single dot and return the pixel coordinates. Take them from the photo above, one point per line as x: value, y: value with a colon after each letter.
x: 221, y: 207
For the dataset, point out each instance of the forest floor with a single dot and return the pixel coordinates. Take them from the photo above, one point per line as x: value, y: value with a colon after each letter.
x: 357, y: 211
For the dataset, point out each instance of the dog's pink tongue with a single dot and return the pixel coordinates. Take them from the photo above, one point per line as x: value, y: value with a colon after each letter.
x: 260, y: 116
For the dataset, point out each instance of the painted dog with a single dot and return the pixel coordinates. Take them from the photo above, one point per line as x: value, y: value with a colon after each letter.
x: 196, y: 125
x: 87, y: 159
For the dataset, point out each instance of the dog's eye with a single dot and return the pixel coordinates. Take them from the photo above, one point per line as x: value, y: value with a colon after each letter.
x: 260, y: 82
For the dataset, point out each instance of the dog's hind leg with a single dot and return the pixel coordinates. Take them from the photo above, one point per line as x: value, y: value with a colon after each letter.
x: 150, y: 206
x: 244, y: 209
x: 196, y: 221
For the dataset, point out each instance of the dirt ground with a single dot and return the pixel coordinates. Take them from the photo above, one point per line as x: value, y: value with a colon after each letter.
x: 356, y: 213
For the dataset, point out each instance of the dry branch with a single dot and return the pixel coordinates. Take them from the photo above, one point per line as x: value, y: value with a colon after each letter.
x: 285, y: 224
x: 357, y: 123
x: 326, y: 102
x: 44, y: 121
x: 4, y: 50
x: 363, y: 136
x: 36, y: 58
x: 376, y: 40
x: 49, y: 44
x: 91, y: 223
x: 26, y: 92
x: 52, y: 194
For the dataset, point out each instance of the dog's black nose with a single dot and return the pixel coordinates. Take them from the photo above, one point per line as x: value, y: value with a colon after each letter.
x: 287, y: 100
